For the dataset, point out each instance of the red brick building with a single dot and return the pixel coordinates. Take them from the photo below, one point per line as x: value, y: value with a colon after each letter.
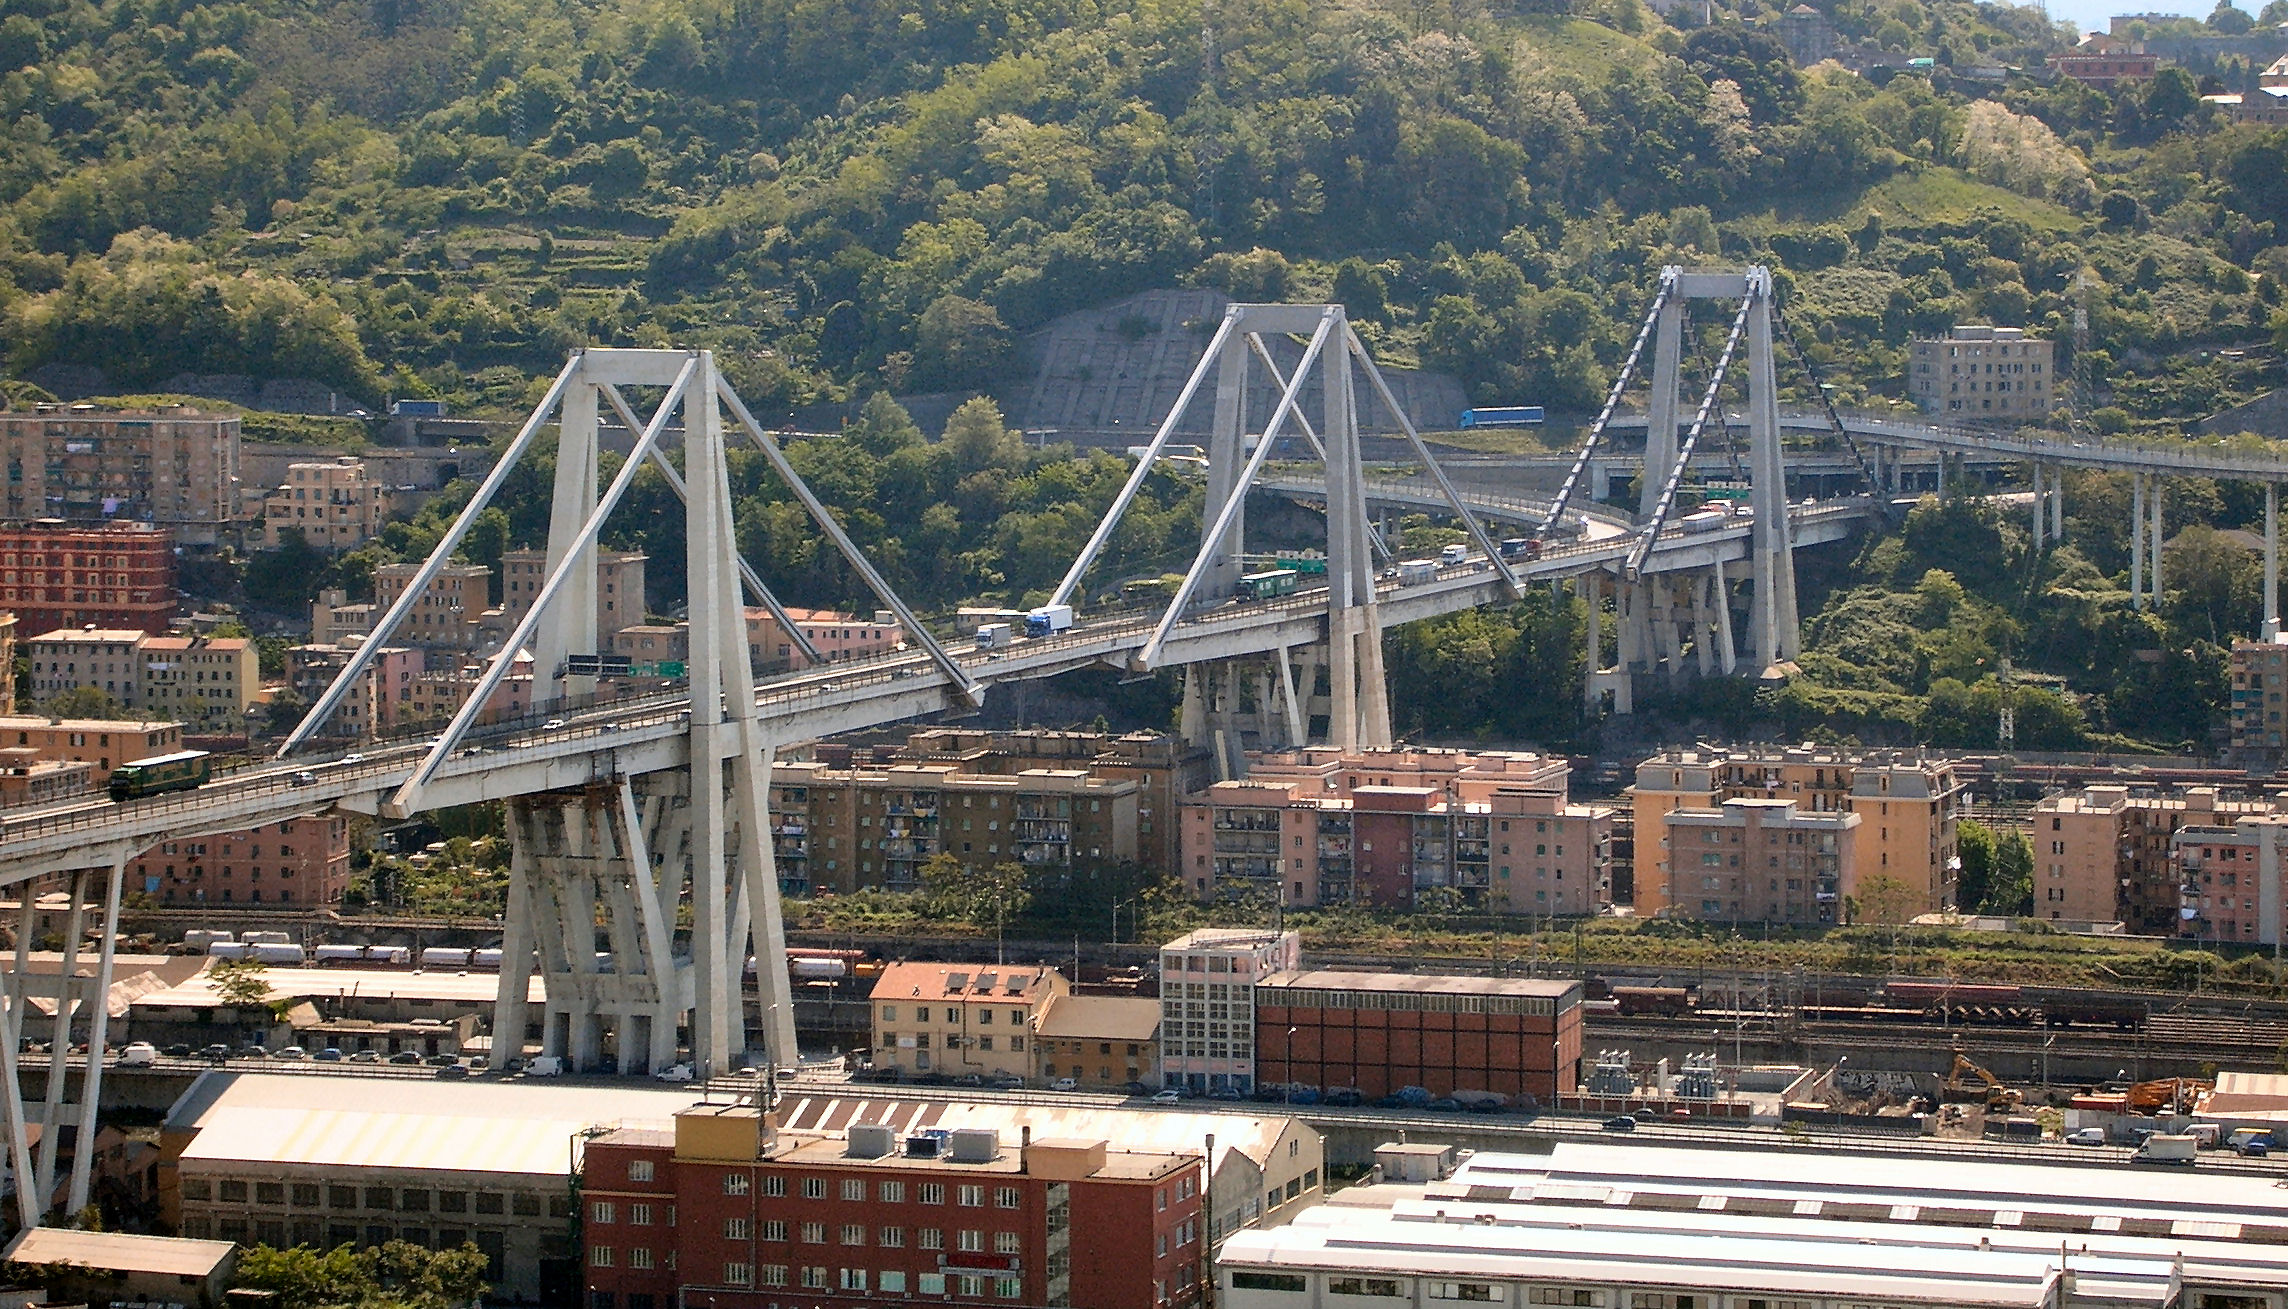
x: 120, y: 575
x: 728, y: 1212
x: 1382, y: 1031
x: 2105, y: 71
x: 303, y: 861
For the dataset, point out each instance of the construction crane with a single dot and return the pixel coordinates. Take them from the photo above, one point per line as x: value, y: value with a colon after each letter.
x: 1967, y: 1081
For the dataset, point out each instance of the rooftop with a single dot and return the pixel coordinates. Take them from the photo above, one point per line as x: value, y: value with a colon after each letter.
x: 1101, y: 1017
x: 927, y: 981
x: 121, y: 1251
x: 1332, y: 979
x: 1148, y: 1131
x: 340, y: 1120
x: 345, y: 983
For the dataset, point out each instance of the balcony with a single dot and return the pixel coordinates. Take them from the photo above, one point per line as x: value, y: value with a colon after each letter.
x: 1247, y: 820
x: 1044, y: 808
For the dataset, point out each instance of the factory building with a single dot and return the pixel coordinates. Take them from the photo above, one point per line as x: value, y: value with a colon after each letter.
x: 1640, y: 1227
x: 1379, y: 1032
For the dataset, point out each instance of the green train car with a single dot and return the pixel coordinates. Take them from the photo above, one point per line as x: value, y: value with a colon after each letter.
x: 167, y: 772
x: 1265, y: 585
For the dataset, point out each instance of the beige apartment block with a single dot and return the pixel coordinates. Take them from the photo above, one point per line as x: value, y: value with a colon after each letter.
x: 336, y: 505
x: 2104, y: 855
x: 839, y: 829
x: 961, y: 1019
x: 448, y: 614
x: 200, y: 681
x: 175, y: 467
x: 105, y: 659
x: 2259, y: 671
x: 619, y: 589
x: 1908, y: 803
x: 1983, y: 373
x: 1751, y: 861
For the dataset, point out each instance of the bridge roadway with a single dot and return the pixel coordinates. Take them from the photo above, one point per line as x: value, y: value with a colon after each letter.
x: 2056, y: 450
x: 646, y: 734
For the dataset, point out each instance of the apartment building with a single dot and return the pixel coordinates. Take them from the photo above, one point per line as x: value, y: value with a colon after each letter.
x: 838, y: 829
x: 2229, y: 877
x: 1378, y: 1032
x: 1207, y: 1003
x: 1294, y: 843
x: 450, y: 612
x: 302, y: 861
x: 1164, y: 768
x: 111, y: 575
x: 1908, y: 804
x: 960, y: 1020
x: 204, y: 682
x: 334, y: 505
x: 2103, y: 855
x: 174, y: 467
x: 1982, y: 373
x: 104, y: 659
x: 619, y: 589
x: 333, y: 619
x: 2259, y: 672
x: 1101, y: 1042
x: 836, y: 636
x: 28, y: 779
x: 1751, y: 861
x: 382, y: 697
x: 729, y: 1210
x: 102, y: 742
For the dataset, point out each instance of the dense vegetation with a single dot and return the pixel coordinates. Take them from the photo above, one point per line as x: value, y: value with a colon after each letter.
x: 438, y: 196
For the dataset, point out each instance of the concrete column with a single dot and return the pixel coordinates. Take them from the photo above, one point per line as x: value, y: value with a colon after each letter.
x: 1660, y: 409
x: 98, y: 1019
x: 2057, y: 506
x: 2158, y: 532
x: 1227, y: 458
x: 1777, y: 635
x: 569, y: 626
x: 2271, y: 561
x: 2137, y: 540
x: 1594, y: 627
x: 2041, y: 519
x: 1727, y: 658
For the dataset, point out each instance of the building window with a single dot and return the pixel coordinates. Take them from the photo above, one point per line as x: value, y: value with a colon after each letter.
x: 890, y: 1192
x: 735, y: 1229
x: 1007, y: 1243
x: 601, y: 1212
x: 932, y: 1239
x: 854, y: 1234
x: 599, y: 1256
x: 639, y: 1215
x: 1007, y: 1197
x: 813, y: 1188
x: 814, y: 1279
x: 639, y: 1258
x: 738, y: 1274
x: 972, y: 1197
x: 892, y: 1238
x: 639, y: 1170
x: 734, y: 1183
x: 970, y: 1241
x: 814, y: 1233
x: 853, y: 1189
x: 930, y: 1193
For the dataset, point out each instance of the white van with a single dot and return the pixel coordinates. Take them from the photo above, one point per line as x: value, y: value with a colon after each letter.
x: 546, y: 1065
x: 138, y: 1054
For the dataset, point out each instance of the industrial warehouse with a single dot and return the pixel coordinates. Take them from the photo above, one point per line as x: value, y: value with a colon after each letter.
x: 1648, y: 1227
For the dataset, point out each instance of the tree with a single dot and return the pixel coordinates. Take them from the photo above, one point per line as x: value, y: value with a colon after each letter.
x: 85, y: 702
x: 2011, y: 889
x: 240, y: 983
x: 1974, y: 846
x: 1884, y: 898
x: 981, y: 897
x: 2228, y: 21
x: 395, y: 1274
x: 959, y: 344
x: 978, y: 438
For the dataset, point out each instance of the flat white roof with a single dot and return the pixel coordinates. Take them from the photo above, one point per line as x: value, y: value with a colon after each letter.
x: 121, y: 1251
x: 523, y: 1127
x: 1370, y: 1243
x: 318, y: 983
x: 1143, y: 1131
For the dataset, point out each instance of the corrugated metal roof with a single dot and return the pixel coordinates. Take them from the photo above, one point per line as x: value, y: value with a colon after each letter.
x: 122, y: 1251
x: 1139, y: 1130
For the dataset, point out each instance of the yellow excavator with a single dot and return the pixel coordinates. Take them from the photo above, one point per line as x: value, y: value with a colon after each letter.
x: 1968, y: 1082
x: 2175, y: 1094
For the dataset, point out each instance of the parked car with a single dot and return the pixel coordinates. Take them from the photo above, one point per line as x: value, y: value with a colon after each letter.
x: 179, y: 1050
x: 366, y: 1057
x: 252, y: 1052
x: 442, y: 1060
x: 216, y: 1053
x: 675, y: 1073
x: 329, y: 1055
x: 1227, y: 1093
x: 970, y: 1079
x: 292, y: 1052
x: 2086, y: 1136
x: 138, y: 1054
x: 407, y: 1057
x: 1169, y: 1096
x: 450, y: 1071
x: 1623, y: 1123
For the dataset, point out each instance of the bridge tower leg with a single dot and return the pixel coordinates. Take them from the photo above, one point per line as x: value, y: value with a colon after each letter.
x: 1361, y: 694
x: 2041, y: 515
x: 2153, y: 560
x: 2058, y: 505
x: 2136, y: 540
x: 1778, y: 635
